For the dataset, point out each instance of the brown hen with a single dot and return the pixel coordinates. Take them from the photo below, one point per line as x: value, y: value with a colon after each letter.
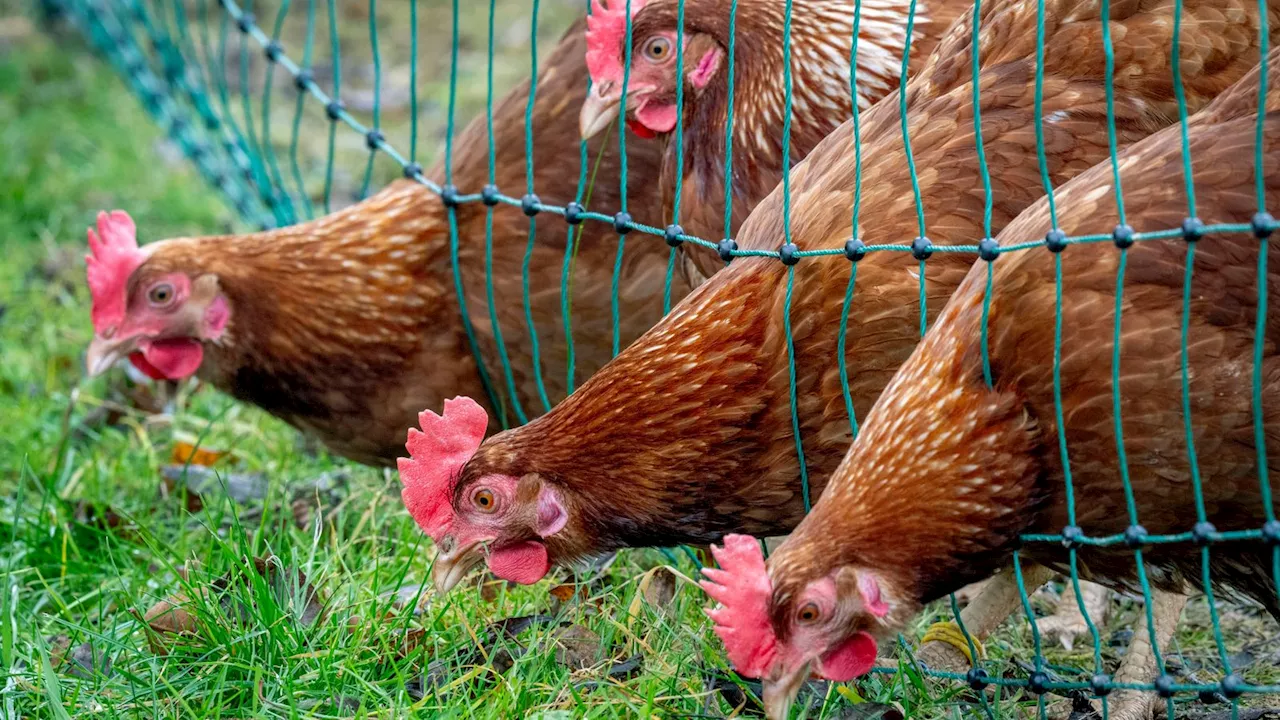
x: 687, y: 434
x: 821, y: 46
x: 349, y: 325
x: 949, y: 471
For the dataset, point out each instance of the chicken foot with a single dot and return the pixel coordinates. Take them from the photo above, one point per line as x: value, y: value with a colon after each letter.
x: 1139, y: 664
x: 997, y: 599
x: 1068, y: 623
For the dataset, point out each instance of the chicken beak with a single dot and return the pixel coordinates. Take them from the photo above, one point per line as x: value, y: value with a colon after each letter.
x: 103, y: 353
x: 780, y: 689
x: 451, y: 568
x: 599, y: 109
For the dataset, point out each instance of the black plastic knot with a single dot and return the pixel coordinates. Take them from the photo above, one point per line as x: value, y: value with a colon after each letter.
x: 788, y: 254
x: 334, y: 109
x: 1100, y: 684
x: 244, y: 22
x: 1122, y: 236
x: 1203, y: 533
x: 1135, y: 536
x: 273, y: 50
x: 988, y: 249
x: 412, y: 170
x: 247, y: 173
x: 220, y: 180
x: 1164, y: 686
x: 726, y: 248
x: 1232, y: 686
x: 303, y: 79
x: 1192, y: 229
x: 1038, y: 682
x: 672, y: 235
x: 622, y: 223
x: 199, y: 151
x: 1263, y: 225
x: 529, y: 204
x: 449, y: 195
x: 855, y: 250
x: 179, y: 125
x: 573, y: 213
x: 977, y: 678
x: 374, y: 138
x: 1055, y: 240
x: 1071, y: 535
x: 489, y: 195
x: 922, y: 248
x: 264, y: 226
x: 211, y: 122
x: 1271, y: 532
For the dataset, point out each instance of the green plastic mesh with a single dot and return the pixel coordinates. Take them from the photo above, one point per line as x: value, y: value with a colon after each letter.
x: 197, y: 66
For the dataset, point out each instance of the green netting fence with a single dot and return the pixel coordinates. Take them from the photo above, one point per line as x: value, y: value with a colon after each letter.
x: 256, y: 98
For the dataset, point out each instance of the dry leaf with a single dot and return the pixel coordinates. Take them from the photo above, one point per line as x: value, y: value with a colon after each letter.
x: 58, y: 647
x: 659, y: 588
x: 185, y: 453
x: 577, y: 648
x: 167, y: 620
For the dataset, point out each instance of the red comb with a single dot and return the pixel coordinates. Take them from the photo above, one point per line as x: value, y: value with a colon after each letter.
x: 741, y: 586
x: 113, y: 256
x: 436, y: 454
x: 606, y: 33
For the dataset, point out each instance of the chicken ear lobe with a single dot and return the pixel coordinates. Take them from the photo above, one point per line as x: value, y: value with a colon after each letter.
x: 708, y: 64
x: 869, y: 590
x: 552, y: 516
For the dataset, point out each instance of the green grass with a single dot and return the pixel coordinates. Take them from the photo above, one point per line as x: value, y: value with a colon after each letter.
x: 91, y: 539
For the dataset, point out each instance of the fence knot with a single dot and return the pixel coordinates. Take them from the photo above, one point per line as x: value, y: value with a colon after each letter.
x: 855, y: 249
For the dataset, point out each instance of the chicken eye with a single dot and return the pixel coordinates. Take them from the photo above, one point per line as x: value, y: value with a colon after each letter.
x: 160, y: 294
x: 808, y: 614
x: 484, y: 500
x: 657, y: 49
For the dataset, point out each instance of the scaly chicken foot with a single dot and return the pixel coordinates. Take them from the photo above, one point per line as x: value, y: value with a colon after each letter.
x: 998, y: 598
x: 1139, y: 664
x: 1068, y: 623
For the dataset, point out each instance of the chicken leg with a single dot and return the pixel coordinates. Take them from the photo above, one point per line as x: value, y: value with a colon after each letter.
x: 1068, y: 623
x: 998, y: 598
x: 1139, y: 664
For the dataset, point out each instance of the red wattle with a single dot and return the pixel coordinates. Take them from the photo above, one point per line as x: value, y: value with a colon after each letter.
x: 525, y: 563
x: 852, y: 658
x: 140, y: 361
x: 174, y: 359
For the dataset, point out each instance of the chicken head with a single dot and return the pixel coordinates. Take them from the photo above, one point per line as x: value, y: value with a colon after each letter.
x: 157, y: 320
x: 651, y: 84
x: 498, y: 519
x: 782, y: 636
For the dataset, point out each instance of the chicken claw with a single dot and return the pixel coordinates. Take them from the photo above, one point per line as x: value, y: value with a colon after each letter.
x: 1067, y: 623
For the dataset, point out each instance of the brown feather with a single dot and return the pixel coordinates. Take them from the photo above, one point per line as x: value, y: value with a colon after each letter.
x: 687, y: 435
x: 348, y: 326
x: 943, y: 459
